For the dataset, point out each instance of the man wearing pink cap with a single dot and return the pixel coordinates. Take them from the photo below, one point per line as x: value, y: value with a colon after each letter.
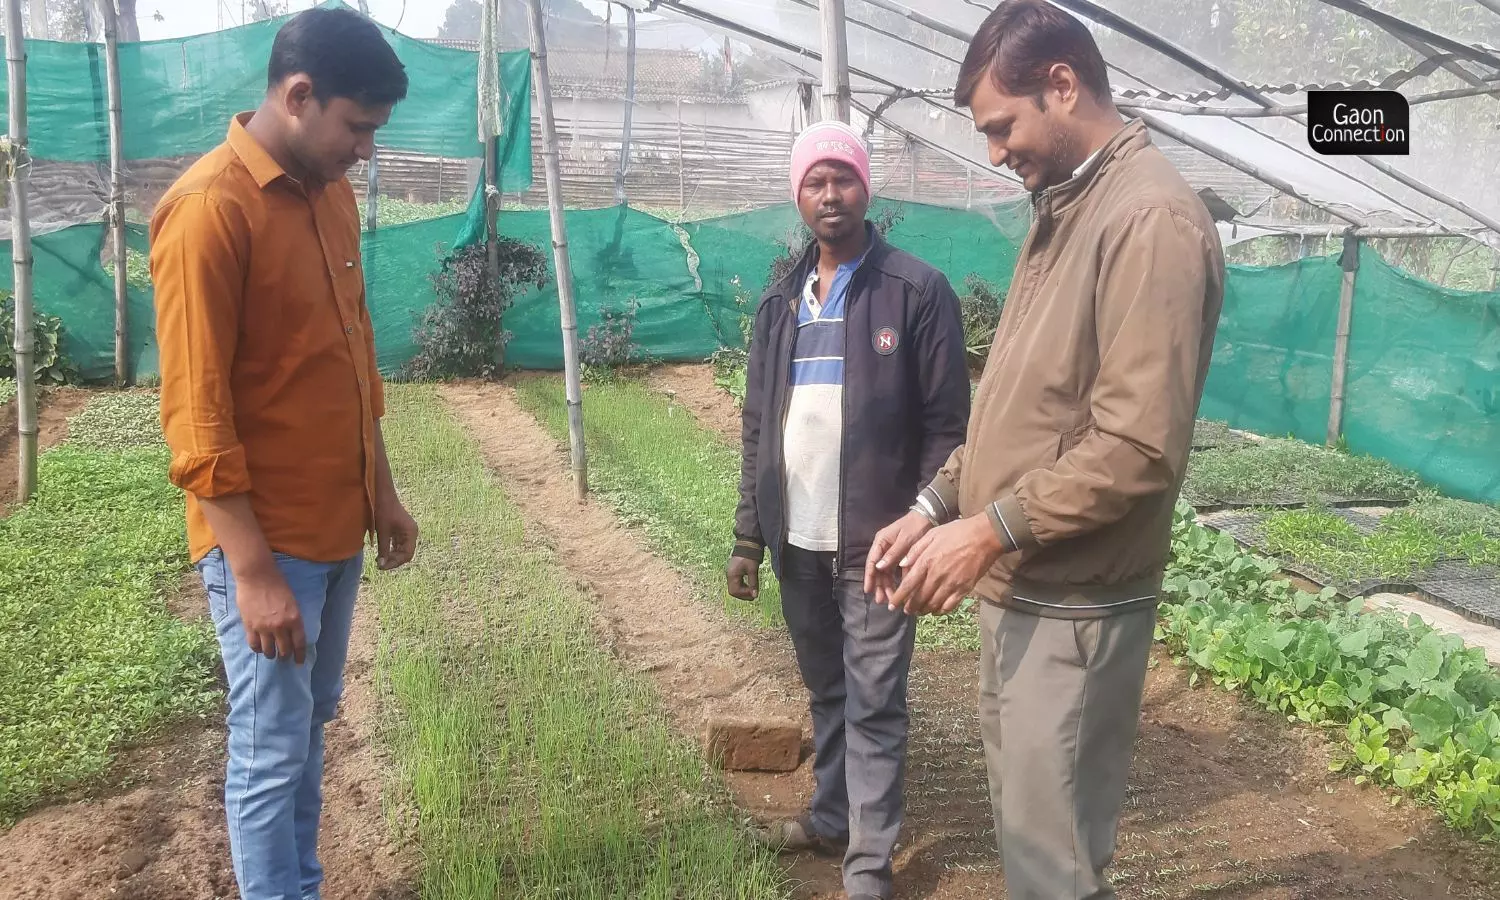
x: 856, y: 394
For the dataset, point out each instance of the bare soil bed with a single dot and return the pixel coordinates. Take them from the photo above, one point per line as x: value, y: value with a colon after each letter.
x: 57, y: 406
x: 1225, y: 800
x: 157, y: 831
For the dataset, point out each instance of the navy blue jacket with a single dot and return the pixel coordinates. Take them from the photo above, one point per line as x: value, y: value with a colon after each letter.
x: 906, y: 399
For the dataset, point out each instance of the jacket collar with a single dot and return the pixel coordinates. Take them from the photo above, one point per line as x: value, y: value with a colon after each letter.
x: 1129, y: 140
x: 790, y: 286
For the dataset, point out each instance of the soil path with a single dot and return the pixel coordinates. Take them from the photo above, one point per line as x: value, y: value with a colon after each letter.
x: 158, y: 832
x: 57, y: 406
x: 1225, y: 801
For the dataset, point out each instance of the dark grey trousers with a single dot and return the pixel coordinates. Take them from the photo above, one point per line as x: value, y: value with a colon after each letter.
x: 1059, y: 701
x: 854, y: 656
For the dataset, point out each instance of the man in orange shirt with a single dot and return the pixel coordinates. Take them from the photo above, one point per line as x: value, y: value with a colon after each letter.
x: 271, y: 404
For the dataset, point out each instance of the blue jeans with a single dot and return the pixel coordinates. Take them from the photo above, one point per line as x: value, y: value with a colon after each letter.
x: 273, y: 792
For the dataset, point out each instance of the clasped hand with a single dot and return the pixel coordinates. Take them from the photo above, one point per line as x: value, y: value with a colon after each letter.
x: 922, y: 570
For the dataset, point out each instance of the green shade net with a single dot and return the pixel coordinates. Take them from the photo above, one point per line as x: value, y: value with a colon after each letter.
x: 620, y: 255
x: 180, y: 94
x: 1273, y: 359
x: 1424, y: 363
x: 69, y: 281
x: 1424, y: 378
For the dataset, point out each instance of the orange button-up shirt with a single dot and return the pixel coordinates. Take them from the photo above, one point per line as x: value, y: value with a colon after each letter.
x: 268, y: 378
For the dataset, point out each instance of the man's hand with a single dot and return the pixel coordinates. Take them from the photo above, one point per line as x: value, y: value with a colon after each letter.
x: 395, y: 535
x: 268, y: 610
x: 944, y: 566
x: 743, y: 577
x: 888, y: 552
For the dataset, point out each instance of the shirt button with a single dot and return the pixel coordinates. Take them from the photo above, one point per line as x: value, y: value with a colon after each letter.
x: 348, y: 329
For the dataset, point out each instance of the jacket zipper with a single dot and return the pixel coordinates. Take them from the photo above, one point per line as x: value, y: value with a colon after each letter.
x: 786, y: 402
x: 849, y: 294
x: 838, y: 552
x: 795, y: 305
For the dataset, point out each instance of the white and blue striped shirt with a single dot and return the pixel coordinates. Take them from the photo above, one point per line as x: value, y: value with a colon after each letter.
x: 813, y: 442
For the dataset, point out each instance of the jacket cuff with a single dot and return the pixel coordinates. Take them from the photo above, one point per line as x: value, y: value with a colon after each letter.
x: 1010, y: 524
x: 210, y: 475
x: 941, y: 497
x: 744, y: 548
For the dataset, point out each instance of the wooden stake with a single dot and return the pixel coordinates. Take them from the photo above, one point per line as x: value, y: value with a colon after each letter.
x: 18, y: 161
x: 835, y: 61
x: 552, y: 165
x: 1350, y: 263
x: 110, y: 21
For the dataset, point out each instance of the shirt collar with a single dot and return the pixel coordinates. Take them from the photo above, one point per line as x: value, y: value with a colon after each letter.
x: 870, y: 237
x: 1085, y: 164
x: 262, y: 167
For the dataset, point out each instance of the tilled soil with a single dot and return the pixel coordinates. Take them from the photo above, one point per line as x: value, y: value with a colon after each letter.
x: 158, y: 832
x: 1225, y: 800
x: 56, y: 406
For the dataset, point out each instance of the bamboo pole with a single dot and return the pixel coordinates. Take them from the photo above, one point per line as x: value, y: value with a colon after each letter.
x: 1350, y: 262
x: 491, y: 204
x: 620, y: 196
x: 372, y: 192
x: 110, y: 21
x: 914, y: 149
x: 681, y: 163
x: 489, y: 51
x: 19, y: 164
x: 835, y: 61
x: 552, y: 165
x: 39, y: 26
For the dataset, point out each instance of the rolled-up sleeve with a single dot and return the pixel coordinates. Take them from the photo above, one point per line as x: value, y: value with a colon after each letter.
x: 198, y: 254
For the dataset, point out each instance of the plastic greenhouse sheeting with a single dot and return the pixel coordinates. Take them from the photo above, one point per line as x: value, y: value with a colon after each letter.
x: 180, y: 95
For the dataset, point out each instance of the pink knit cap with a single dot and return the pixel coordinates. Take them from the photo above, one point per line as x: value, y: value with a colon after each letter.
x: 829, y: 142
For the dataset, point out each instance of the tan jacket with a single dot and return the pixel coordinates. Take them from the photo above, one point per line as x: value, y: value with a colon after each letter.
x: 1082, y: 424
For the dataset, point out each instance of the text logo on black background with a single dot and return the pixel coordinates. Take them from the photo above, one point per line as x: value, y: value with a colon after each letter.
x: 1346, y: 123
